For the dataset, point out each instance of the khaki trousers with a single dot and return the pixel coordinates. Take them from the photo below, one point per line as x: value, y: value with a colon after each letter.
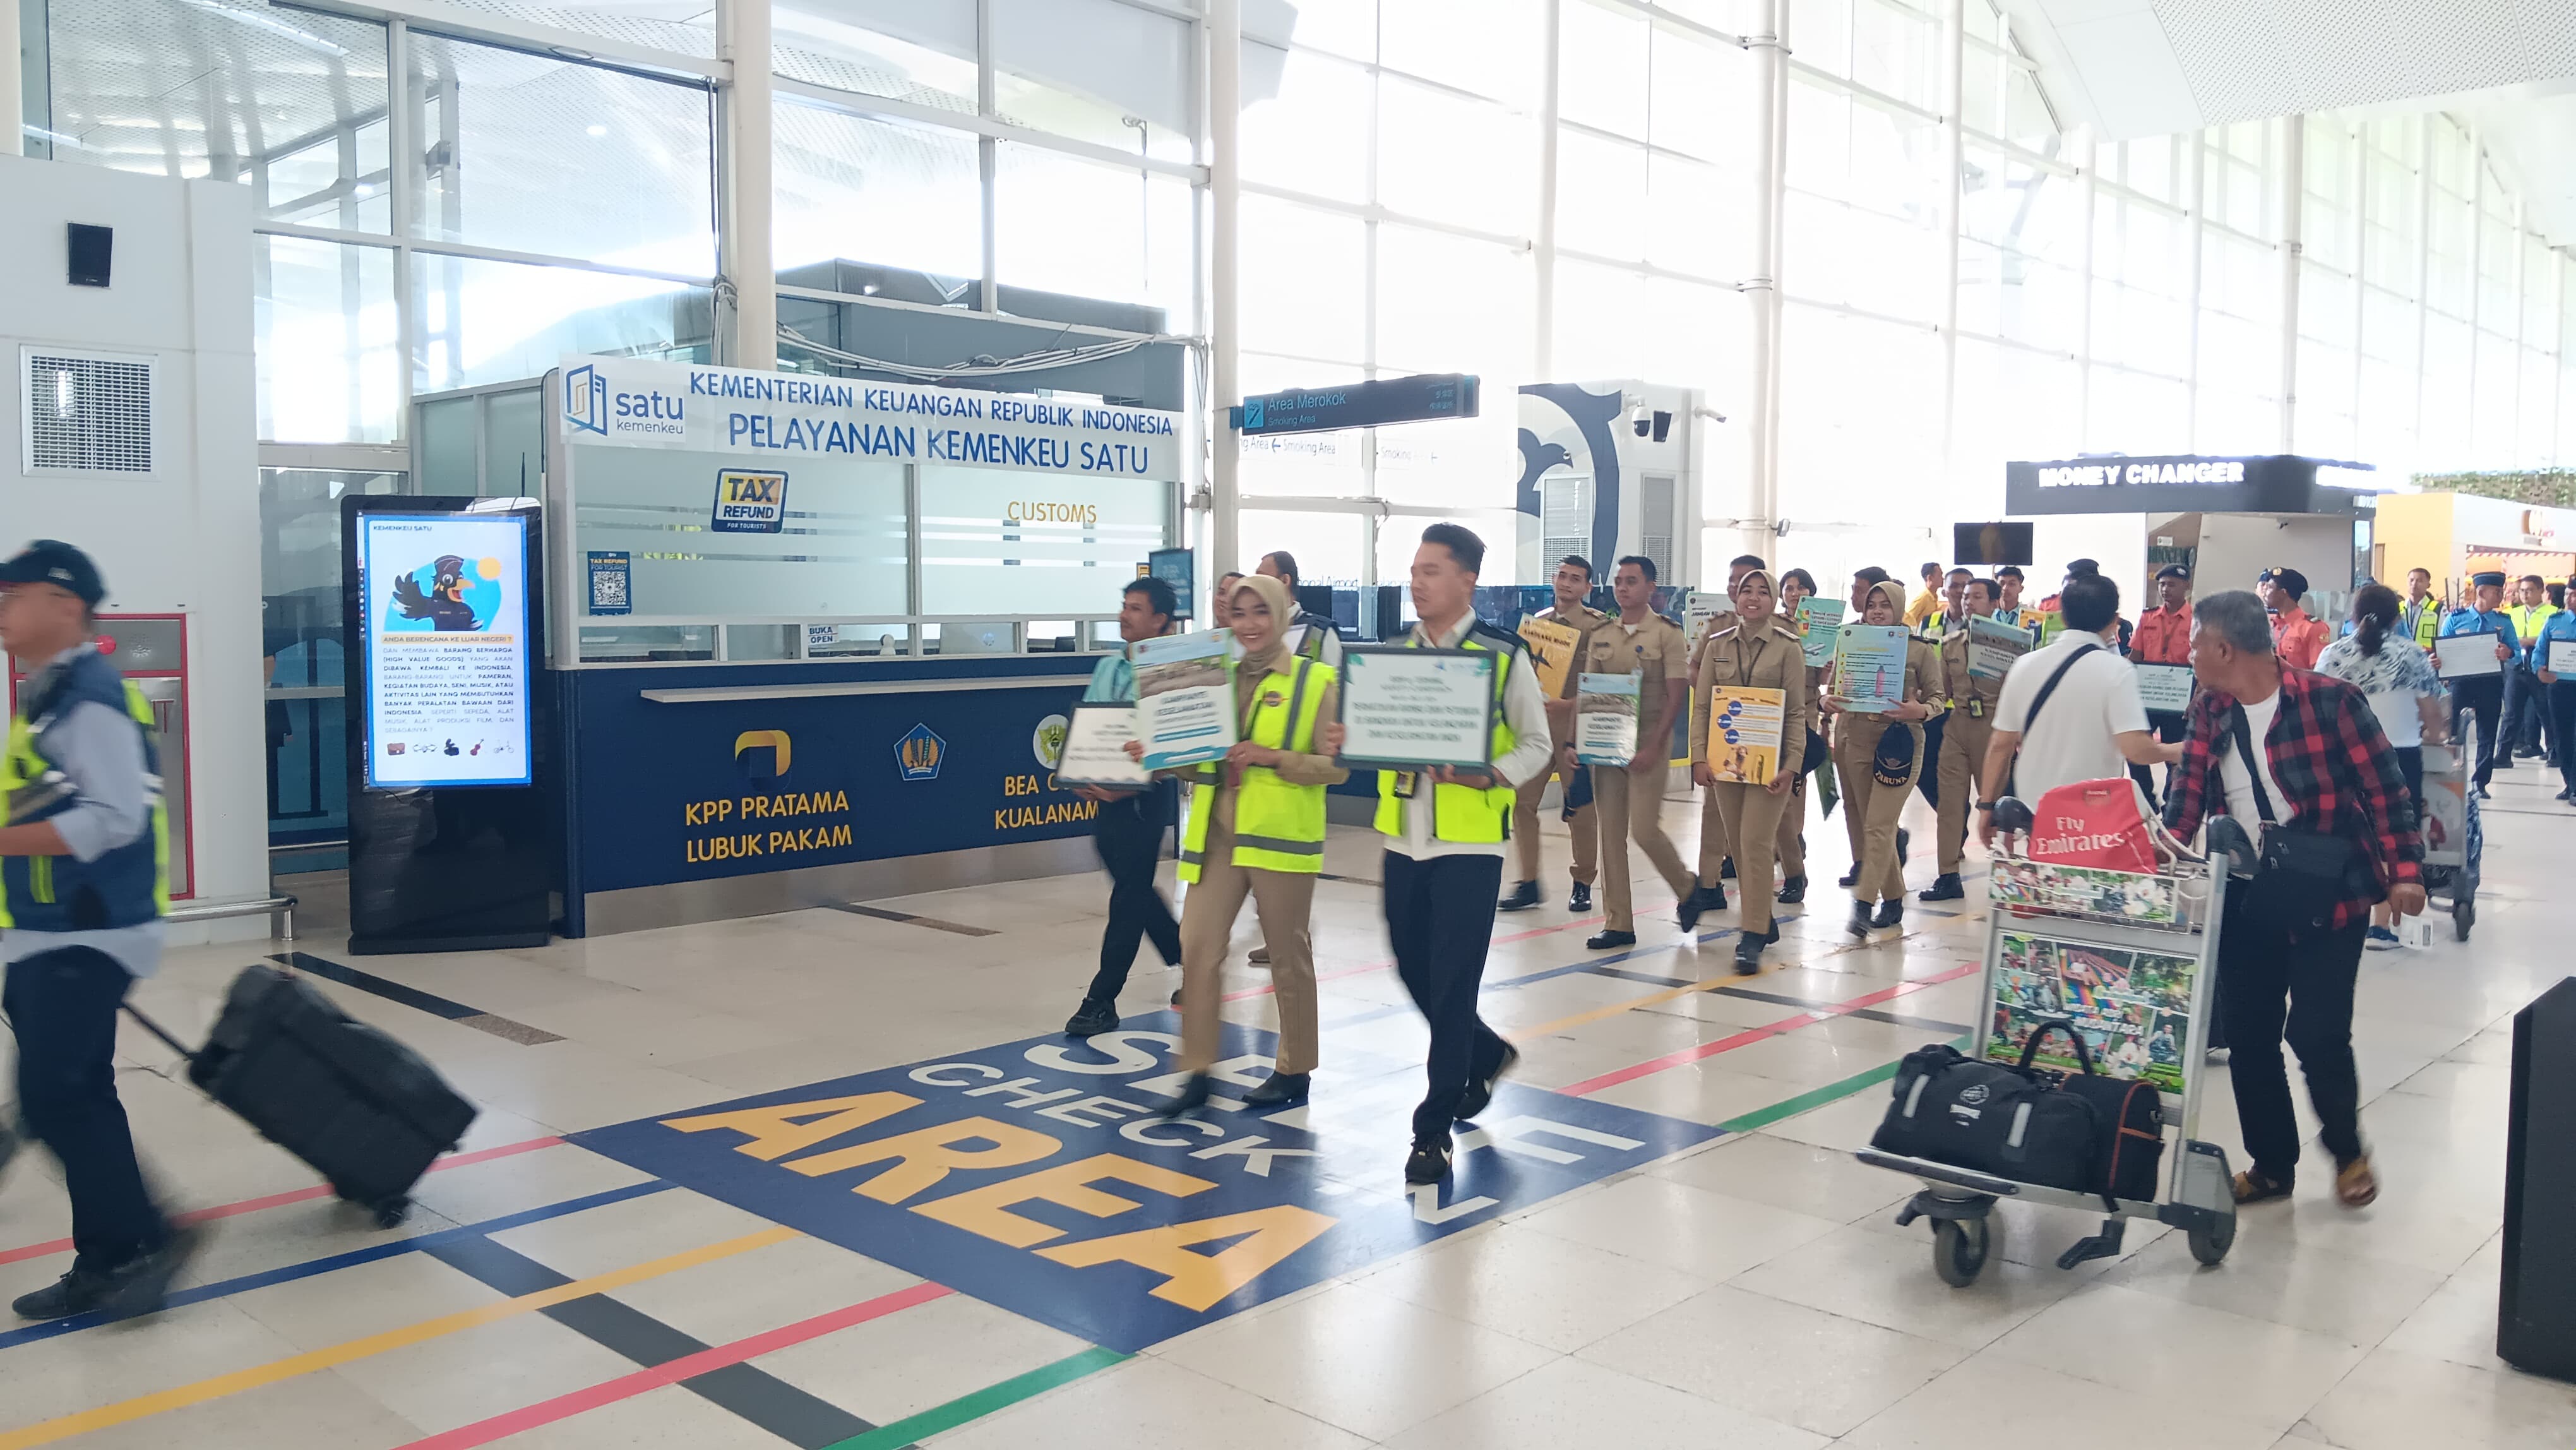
x: 1584, y: 827
x: 1284, y: 901
x: 1752, y: 813
x: 1632, y: 807
x: 1963, y: 762
x: 1874, y: 808
x: 1716, y: 840
x: 1791, y: 843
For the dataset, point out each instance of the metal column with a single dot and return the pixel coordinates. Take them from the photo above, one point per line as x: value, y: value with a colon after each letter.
x: 2294, y: 188
x: 751, y: 340
x: 2088, y: 183
x: 2198, y: 231
x: 1225, y: 186
x: 1954, y: 130
x: 1543, y: 357
x: 2423, y: 265
x: 13, y: 98
x: 1762, y: 286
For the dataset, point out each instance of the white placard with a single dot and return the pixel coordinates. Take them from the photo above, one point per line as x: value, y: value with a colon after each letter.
x: 1184, y: 698
x: 1605, y: 720
x: 1095, y: 747
x: 444, y: 603
x: 1407, y: 708
x: 2464, y: 656
x: 2164, y: 689
x: 2562, y: 656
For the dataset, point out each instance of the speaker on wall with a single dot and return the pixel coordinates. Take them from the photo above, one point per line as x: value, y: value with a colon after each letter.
x: 92, y: 249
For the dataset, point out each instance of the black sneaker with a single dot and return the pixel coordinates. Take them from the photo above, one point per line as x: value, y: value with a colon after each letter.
x: 2482, y: 793
x: 1279, y: 1087
x: 1519, y: 898
x: 1859, y: 923
x: 1428, y: 1162
x: 139, y: 1286
x: 1847, y: 878
x: 1602, y: 941
x: 1793, y: 890
x: 1093, y: 1017
x: 1580, y: 898
x: 1748, y: 954
x: 1480, y: 1091
x: 1891, y: 912
x: 1711, y: 898
x: 1726, y: 868
x: 1687, y: 910
x: 1945, y: 888
x: 1193, y: 1096
x: 74, y: 1293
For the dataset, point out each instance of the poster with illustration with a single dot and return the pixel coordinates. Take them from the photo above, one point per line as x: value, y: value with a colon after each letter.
x: 2133, y: 1008
x: 2020, y: 884
x: 446, y: 619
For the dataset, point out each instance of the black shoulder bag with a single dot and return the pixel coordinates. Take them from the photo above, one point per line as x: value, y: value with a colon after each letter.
x: 2303, y: 875
x: 2047, y: 688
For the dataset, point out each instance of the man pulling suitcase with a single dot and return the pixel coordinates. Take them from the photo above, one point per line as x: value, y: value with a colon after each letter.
x: 82, y: 889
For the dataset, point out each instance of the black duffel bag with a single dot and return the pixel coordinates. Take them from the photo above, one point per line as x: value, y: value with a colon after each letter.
x: 2011, y: 1122
x: 2128, y: 1115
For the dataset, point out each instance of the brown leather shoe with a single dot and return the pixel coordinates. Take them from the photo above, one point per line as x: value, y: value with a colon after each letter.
x: 2355, y: 1185
x: 2253, y: 1187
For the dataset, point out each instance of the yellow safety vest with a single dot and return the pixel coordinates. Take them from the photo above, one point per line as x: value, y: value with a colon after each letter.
x: 21, y: 766
x: 1277, y: 826
x: 1462, y: 813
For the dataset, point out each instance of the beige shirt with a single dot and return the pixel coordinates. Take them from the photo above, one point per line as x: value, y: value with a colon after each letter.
x: 1765, y: 658
x: 1654, y: 650
x: 1959, y: 688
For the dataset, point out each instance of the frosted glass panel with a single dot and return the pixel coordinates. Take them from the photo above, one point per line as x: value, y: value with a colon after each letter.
x: 997, y: 543
x: 841, y: 549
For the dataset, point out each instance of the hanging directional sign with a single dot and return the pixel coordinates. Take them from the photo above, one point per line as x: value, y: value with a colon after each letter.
x: 1357, y: 405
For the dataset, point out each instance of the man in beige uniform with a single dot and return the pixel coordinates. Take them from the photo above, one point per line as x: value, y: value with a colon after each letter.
x: 1716, y: 847
x: 1631, y: 798
x: 1573, y: 581
x: 1970, y: 729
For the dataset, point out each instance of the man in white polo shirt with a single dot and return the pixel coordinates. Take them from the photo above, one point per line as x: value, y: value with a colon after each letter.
x: 2069, y: 711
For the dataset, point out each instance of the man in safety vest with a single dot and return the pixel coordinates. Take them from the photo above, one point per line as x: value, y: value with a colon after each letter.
x: 1445, y: 830
x: 2421, y: 615
x: 83, y: 863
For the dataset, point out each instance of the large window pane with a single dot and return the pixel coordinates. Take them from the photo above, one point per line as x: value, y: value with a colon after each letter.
x: 875, y: 191
x: 981, y: 554
x: 1698, y: 90
x: 1489, y: 47
x: 1443, y: 157
x: 922, y: 51
x: 328, y: 342
x: 490, y: 322
x: 1449, y: 304
x: 1601, y: 196
x: 1305, y: 278
x: 290, y: 102
x: 1098, y: 70
x: 1602, y: 68
x: 1063, y: 224
x: 534, y: 154
x: 1314, y: 135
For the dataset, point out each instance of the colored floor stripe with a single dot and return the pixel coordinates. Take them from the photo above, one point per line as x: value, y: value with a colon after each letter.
x: 142, y: 1407
x: 292, y: 1195
x: 224, y: 1288
x: 958, y: 928
x: 956, y: 1412
x: 1752, y: 1035
x: 1814, y: 1098
x: 1669, y: 994
x: 1389, y: 964
x: 429, y: 1002
x: 1869, y: 1014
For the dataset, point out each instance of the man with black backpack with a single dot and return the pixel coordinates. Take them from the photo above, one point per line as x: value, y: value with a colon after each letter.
x: 2069, y: 711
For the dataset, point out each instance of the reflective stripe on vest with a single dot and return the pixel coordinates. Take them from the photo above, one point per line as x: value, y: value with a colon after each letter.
x: 1278, y: 826
x: 1465, y: 814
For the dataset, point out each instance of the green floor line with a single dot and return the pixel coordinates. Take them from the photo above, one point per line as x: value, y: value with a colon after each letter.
x: 1817, y: 1097
x: 940, y: 1419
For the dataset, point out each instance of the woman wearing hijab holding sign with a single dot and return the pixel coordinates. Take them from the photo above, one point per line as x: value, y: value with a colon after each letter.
x: 1256, y: 828
x: 1878, y: 754
x: 1758, y: 652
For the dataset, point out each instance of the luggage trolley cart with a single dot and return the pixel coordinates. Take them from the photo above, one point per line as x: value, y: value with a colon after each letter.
x: 2113, y: 917
x: 2455, y: 835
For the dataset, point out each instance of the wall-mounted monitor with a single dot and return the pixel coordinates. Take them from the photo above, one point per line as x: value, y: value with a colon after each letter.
x: 1999, y: 542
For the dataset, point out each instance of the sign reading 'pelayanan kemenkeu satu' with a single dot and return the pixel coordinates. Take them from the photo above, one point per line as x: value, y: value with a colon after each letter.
x: 627, y: 403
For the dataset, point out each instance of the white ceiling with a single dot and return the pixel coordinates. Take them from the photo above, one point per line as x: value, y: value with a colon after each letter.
x: 2153, y: 67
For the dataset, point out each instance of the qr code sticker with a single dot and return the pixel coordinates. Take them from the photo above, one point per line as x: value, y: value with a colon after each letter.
x: 607, y: 588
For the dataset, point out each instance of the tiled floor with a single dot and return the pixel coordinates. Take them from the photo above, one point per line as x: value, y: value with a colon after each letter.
x: 1748, y: 1292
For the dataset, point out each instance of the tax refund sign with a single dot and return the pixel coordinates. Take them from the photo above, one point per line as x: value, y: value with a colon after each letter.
x: 1036, y: 1176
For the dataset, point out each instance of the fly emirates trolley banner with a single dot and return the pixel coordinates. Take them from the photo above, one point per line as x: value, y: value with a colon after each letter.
x: 625, y: 403
x: 446, y: 610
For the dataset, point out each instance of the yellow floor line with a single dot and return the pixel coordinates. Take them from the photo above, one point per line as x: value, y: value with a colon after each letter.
x: 1651, y: 999
x: 64, y: 1427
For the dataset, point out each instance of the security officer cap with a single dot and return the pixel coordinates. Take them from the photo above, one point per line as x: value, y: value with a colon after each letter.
x: 2174, y: 571
x: 2290, y: 579
x: 2493, y: 577
x: 51, y: 561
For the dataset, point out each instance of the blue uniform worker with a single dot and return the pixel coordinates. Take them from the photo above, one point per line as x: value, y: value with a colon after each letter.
x: 2483, y: 694
x: 2558, y: 640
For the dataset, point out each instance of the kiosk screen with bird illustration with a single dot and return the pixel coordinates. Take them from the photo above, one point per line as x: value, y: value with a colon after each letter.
x: 445, y: 606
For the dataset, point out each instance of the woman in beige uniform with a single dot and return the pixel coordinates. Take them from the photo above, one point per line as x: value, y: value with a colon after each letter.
x: 1878, y: 876
x: 1758, y: 651
x: 1797, y: 584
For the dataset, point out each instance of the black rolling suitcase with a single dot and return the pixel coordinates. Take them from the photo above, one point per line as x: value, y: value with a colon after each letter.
x: 360, y: 1108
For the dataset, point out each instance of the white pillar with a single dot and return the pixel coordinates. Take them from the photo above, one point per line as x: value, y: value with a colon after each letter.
x: 2477, y: 291
x: 2521, y: 325
x: 1762, y: 287
x: 2294, y: 191
x: 13, y: 98
x: 752, y: 339
x: 2088, y: 183
x: 1954, y: 128
x: 2197, y: 174
x: 1543, y: 257
x: 1225, y: 113
x: 2423, y: 267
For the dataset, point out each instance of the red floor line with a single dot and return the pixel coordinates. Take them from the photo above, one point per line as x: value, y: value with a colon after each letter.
x: 687, y: 1366
x: 1751, y: 1035
x: 1389, y: 963
x: 292, y: 1195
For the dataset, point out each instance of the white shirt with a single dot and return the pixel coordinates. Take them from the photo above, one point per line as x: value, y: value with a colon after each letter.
x: 2240, y: 786
x: 2097, y: 700
x: 1525, y: 710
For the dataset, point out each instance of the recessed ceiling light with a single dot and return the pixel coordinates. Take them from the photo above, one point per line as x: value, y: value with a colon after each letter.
x: 598, y: 130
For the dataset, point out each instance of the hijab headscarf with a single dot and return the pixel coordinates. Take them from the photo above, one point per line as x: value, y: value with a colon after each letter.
x: 1282, y: 610
x: 1895, y: 596
x: 1749, y: 575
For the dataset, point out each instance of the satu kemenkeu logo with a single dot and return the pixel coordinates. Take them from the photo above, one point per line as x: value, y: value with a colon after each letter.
x: 918, y: 754
x: 762, y: 754
x: 585, y: 400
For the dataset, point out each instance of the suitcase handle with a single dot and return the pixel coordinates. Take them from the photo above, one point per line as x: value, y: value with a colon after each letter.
x: 2083, y: 1054
x: 157, y: 1030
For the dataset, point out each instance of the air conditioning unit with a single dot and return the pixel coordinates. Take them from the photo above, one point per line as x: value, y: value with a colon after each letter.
x: 86, y: 412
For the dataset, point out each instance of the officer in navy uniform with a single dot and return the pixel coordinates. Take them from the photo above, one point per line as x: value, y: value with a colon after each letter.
x: 82, y: 891
x: 2481, y: 693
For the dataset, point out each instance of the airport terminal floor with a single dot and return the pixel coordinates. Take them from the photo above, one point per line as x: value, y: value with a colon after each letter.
x: 1656, y: 1237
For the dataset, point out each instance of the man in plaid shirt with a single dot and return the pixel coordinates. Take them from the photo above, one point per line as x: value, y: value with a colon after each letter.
x: 2326, y: 767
